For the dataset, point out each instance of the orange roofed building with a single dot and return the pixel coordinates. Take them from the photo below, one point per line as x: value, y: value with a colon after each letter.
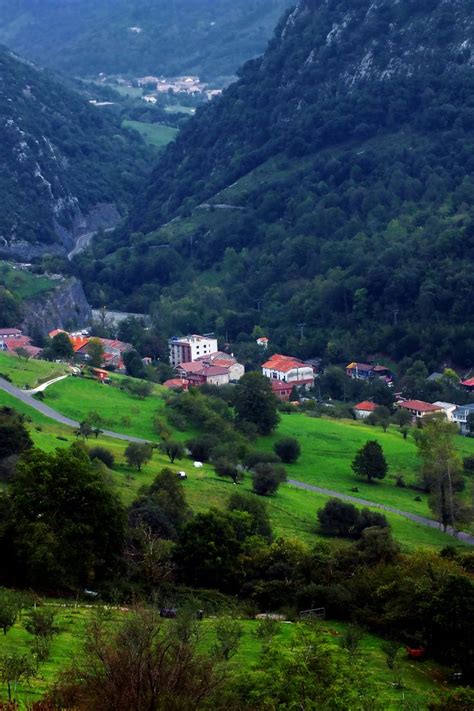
x: 287, y: 369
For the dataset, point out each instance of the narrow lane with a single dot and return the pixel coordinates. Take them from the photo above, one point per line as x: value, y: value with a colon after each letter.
x: 63, y: 420
x: 460, y: 535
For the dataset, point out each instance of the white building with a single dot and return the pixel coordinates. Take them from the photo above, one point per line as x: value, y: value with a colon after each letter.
x: 185, y: 349
x: 448, y: 408
x: 224, y: 360
x: 288, y: 370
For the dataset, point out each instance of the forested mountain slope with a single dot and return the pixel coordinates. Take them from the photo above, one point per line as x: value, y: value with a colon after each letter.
x: 349, y: 151
x: 84, y: 37
x: 61, y: 160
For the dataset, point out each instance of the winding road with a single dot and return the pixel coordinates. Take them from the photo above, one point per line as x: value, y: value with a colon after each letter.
x: 83, y: 241
x: 26, y: 397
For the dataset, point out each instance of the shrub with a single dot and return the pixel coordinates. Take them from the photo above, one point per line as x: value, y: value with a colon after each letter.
x: 201, y: 447
x: 227, y: 468
x: 468, y: 463
x: 267, y: 477
x: 103, y: 454
x: 288, y: 449
x: 338, y: 518
x: 254, y: 457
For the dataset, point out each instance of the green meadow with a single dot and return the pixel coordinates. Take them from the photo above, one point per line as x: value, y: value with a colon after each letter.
x: 23, y: 283
x: 29, y: 374
x: 293, y: 511
x: 156, y: 134
x: 419, y: 679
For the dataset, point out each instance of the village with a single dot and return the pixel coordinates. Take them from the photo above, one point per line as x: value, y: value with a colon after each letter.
x: 196, y: 361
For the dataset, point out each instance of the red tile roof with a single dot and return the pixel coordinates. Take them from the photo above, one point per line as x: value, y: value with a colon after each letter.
x: 176, y: 383
x: 366, y: 405
x: 419, y: 405
x: 78, y: 342
x: 468, y: 383
x: 283, y: 363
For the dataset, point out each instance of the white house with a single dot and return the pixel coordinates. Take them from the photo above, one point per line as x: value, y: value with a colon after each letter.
x: 461, y: 415
x: 185, y: 349
x: 364, y: 409
x: 288, y: 370
x: 447, y: 407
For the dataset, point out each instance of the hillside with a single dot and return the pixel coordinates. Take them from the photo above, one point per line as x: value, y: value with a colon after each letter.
x: 148, y: 37
x: 346, y: 155
x: 67, y: 167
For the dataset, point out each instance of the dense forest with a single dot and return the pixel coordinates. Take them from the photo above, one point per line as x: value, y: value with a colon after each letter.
x: 60, y: 156
x: 86, y: 37
x: 346, y: 155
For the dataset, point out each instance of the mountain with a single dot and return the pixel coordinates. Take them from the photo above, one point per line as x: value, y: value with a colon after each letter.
x: 210, y: 38
x: 332, y: 186
x: 66, y: 166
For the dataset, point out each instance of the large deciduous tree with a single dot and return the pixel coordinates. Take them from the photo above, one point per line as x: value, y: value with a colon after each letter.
x: 255, y: 402
x: 67, y: 528
x: 370, y: 462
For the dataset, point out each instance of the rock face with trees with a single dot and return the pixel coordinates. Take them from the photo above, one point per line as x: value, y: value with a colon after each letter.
x: 342, y: 183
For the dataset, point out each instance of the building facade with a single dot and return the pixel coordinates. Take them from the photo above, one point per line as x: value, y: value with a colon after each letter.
x: 185, y: 349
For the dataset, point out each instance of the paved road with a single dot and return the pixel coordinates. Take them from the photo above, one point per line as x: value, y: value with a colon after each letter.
x: 83, y: 241
x: 460, y: 535
x: 62, y: 419
x: 53, y: 414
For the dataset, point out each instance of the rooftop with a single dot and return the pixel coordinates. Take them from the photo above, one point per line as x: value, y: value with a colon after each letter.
x: 419, y: 405
x: 366, y: 405
x: 283, y: 363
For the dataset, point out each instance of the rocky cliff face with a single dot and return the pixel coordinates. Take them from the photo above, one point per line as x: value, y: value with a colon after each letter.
x: 65, y: 307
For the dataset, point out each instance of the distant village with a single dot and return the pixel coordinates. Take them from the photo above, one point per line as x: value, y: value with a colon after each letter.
x: 197, y: 360
x: 155, y: 86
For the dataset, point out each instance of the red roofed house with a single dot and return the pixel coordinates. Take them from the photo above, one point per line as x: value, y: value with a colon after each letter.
x: 224, y: 360
x: 176, y: 384
x: 364, y: 409
x: 79, y: 343
x: 468, y: 384
x: 12, y: 344
x: 419, y: 409
x: 113, y: 350
x: 281, y: 390
x: 198, y: 373
x: 56, y: 332
x: 8, y: 333
x: 289, y: 370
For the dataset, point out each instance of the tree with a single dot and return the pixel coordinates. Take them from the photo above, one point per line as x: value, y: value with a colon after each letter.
x: 227, y: 468
x: 338, y: 518
x: 173, y: 450
x: 22, y: 353
x: 134, y: 364
x: 441, y: 469
x: 162, y: 507
x: 401, y: 417
x: 13, y: 669
x: 140, y: 388
x: 40, y: 624
x: 138, y: 454
x: 85, y: 430
x: 257, y: 509
x: 95, y: 351
x: 141, y: 663
x: 266, y: 478
x: 288, y: 449
x: 255, y: 402
x: 228, y: 633
x: 67, y: 527
x: 382, y: 417
x: 208, y: 548
x: 370, y: 462
x: 14, y: 437
x: 61, y: 347
x: 8, y: 610
x: 103, y: 454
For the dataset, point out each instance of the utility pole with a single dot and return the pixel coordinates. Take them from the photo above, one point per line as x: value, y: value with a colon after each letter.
x: 259, y: 304
x: 301, y: 326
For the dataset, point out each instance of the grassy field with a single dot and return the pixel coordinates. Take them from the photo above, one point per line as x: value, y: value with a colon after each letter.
x: 180, y: 109
x: 23, y: 283
x: 419, y: 678
x: 155, y: 134
x: 29, y: 373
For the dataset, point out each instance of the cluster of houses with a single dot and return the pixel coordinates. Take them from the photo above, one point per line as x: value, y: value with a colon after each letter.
x: 113, y: 350
x: 13, y: 340
x: 418, y: 410
x: 197, y: 361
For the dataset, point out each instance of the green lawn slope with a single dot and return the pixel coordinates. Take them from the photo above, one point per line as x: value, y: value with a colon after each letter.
x: 419, y: 678
x: 29, y: 374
